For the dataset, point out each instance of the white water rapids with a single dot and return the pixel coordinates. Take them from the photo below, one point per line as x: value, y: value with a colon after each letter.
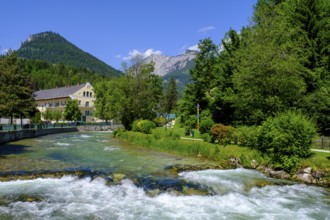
x: 73, y: 198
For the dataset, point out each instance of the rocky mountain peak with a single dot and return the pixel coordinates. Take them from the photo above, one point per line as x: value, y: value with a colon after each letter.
x: 167, y: 64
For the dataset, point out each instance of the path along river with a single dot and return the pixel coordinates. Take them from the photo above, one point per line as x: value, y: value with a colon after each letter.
x: 148, y: 191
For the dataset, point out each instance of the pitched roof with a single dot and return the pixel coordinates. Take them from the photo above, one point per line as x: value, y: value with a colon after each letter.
x: 58, y: 92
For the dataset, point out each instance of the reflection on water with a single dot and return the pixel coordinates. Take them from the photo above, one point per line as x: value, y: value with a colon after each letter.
x: 92, y: 150
x: 147, y: 191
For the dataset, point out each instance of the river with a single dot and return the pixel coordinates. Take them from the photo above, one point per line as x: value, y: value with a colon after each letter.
x: 148, y: 191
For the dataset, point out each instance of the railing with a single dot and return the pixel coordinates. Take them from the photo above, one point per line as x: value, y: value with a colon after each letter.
x: 4, y: 128
x: 322, y: 142
x: 14, y: 127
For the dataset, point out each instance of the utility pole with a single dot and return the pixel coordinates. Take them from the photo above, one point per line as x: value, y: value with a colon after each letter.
x: 197, y: 115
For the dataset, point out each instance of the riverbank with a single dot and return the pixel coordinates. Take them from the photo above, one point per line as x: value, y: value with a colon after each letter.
x: 314, y: 170
x: 9, y: 136
x: 109, y: 128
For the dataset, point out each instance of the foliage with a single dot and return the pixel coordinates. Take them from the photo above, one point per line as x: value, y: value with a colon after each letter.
x: 280, y: 62
x: 53, y: 48
x: 189, y: 124
x: 287, y: 139
x: 47, y: 76
x: 144, y: 126
x: 203, y: 76
x: 246, y: 136
x: 222, y: 133
x: 160, y: 121
x: 72, y: 111
x: 103, y: 105
x: 206, y: 137
x: 317, y: 106
x: 171, y: 97
x: 36, y: 118
x: 134, y: 96
x: 163, y: 140
x: 206, y: 125
x: 57, y: 115
x: 117, y: 132
x: 16, y: 88
x: 47, y: 115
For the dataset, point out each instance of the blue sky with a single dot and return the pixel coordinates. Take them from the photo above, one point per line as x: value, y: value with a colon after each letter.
x: 115, y: 30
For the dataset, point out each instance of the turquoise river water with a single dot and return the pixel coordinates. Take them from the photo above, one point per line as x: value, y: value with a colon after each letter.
x: 148, y: 191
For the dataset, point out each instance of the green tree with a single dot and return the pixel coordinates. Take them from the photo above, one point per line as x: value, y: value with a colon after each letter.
x: 16, y: 88
x: 47, y: 115
x: 103, y: 90
x: 72, y: 111
x: 171, y: 97
x: 57, y: 115
x: 204, y: 77
x: 220, y: 96
x: 310, y: 20
x: 286, y: 138
x: 268, y: 78
x: 134, y: 96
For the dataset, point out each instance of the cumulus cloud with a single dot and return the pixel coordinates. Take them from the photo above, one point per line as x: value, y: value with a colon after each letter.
x: 206, y: 29
x: 194, y: 47
x: 147, y: 53
x: 186, y: 47
x: 4, y: 51
x: 118, y: 56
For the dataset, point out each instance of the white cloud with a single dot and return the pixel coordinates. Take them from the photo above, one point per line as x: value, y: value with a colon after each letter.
x: 4, y: 51
x: 194, y: 47
x: 206, y: 29
x: 118, y: 56
x: 186, y: 47
x: 144, y: 54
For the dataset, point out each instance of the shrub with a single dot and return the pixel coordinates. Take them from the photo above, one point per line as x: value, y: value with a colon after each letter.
x: 160, y: 121
x: 206, y: 125
x: 222, y: 133
x: 190, y: 122
x: 286, y: 138
x: 206, y: 137
x: 246, y: 136
x: 117, y: 132
x: 144, y: 126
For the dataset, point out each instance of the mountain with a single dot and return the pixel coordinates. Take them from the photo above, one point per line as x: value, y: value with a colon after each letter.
x: 176, y: 67
x: 53, y: 48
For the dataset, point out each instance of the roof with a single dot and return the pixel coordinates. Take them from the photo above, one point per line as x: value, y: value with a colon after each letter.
x: 58, y: 92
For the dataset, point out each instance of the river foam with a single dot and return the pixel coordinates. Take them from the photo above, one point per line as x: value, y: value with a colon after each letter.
x: 73, y: 198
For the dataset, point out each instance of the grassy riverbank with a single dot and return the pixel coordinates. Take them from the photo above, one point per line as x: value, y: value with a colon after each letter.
x: 168, y: 140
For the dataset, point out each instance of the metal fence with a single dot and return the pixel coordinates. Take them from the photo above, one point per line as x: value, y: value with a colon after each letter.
x: 15, y: 127
x: 322, y: 142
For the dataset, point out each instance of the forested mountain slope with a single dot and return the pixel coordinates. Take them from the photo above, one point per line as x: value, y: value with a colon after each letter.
x: 53, y: 48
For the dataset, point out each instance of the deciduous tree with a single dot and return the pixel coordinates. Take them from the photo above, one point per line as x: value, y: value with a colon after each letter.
x: 16, y: 88
x: 72, y: 111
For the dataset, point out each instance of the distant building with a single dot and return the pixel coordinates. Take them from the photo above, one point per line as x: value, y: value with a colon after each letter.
x: 56, y: 99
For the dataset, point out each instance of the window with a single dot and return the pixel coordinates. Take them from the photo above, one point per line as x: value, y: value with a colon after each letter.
x: 84, y: 94
x: 87, y: 104
x: 79, y: 102
x: 91, y: 94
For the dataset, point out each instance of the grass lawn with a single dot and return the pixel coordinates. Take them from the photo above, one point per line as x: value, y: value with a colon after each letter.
x: 318, y: 160
x: 168, y: 140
